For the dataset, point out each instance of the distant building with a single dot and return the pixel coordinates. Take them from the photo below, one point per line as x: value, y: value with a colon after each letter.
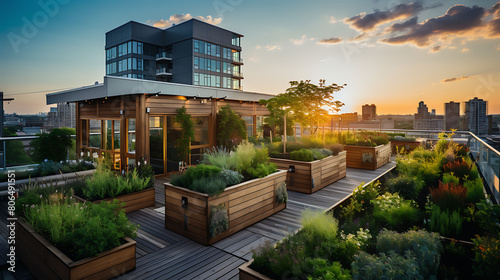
x: 373, y: 124
x: 425, y: 121
x: 476, y: 111
x: 452, y: 115
x: 344, y: 120
x: 64, y: 115
x: 369, y: 112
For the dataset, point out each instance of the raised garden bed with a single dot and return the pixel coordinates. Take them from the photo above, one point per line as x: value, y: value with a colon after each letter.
x: 406, y: 146
x: 208, y: 219
x: 308, y: 177
x: 47, y: 262
x: 133, y: 201
x: 368, y: 157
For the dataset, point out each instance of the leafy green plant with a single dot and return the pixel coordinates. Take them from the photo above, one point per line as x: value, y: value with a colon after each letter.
x: 486, y: 259
x: 251, y: 161
x: 231, y: 177
x: 488, y: 216
x: 459, y: 168
x: 231, y: 128
x: 321, y: 269
x: 213, y: 186
x: 407, y: 187
x: 475, y: 191
x: 194, y: 173
x: 302, y: 155
x: 450, y: 178
x: 335, y: 148
x: 446, y: 222
x: 319, y: 225
x: 219, y: 221
x: 385, y: 266
x: 395, y: 212
x: 218, y: 156
x: 425, y: 246
x: 449, y: 196
x: 78, y: 230
x: 183, y: 143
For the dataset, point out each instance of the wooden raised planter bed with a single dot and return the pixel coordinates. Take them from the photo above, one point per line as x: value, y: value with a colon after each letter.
x: 45, y: 261
x: 188, y: 212
x: 368, y: 157
x: 133, y: 201
x: 408, y: 146
x: 309, y: 177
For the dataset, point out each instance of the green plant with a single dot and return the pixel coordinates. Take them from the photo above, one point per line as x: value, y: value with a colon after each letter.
x: 486, y: 258
x: 335, y: 148
x: 450, y: 178
x: 219, y: 220
x: 395, y: 212
x: 183, y: 143
x: 425, y: 246
x: 488, y: 216
x: 364, y: 193
x: 218, y: 156
x: 212, y: 186
x: 321, y: 153
x: 446, y: 222
x: 251, y: 162
x: 231, y: 128
x: 321, y: 269
x: 281, y: 193
x: 407, y: 187
x: 302, y: 155
x: 231, y: 177
x: 52, y: 146
x: 319, y: 225
x: 475, y: 191
x: 194, y: 173
x: 78, y: 230
x: 460, y: 168
x: 385, y: 266
x: 145, y: 171
x: 449, y: 196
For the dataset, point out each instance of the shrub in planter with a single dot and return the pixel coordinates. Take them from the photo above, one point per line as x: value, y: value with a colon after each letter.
x: 460, y: 168
x: 475, y: 191
x: 449, y: 196
x: 302, y: 155
x: 407, y: 187
x: 488, y: 217
x: 322, y: 269
x: 361, y: 197
x: 486, y: 260
x: 385, y: 266
x: 78, y: 230
x: 281, y: 193
x: 450, y: 178
x: 425, y: 246
x: 446, y: 222
x: 394, y: 211
x: 335, y: 148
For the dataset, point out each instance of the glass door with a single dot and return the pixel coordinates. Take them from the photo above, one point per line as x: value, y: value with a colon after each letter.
x: 156, y: 143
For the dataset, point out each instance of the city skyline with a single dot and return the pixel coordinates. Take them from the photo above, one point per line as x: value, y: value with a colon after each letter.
x: 386, y: 52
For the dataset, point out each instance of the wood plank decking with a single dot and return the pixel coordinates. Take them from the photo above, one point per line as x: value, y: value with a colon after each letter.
x: 162, y: 254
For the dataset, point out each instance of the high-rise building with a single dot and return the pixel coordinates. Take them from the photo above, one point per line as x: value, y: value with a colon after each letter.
x: 476, y: 111
x: 452, y: 115
x: 426, y: 121
x: 369, y: 112
x: 192, y: 52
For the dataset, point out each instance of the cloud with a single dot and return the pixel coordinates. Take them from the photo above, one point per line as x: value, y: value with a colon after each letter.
x: 435, y: 49
x: 367, y: 22
x: 272, y: 47
x: 498, y: 47
x: 257, y: 47
x: 178, y: 18
x: 333, y: 20
x: 458, y: 20
x: 456, y: 79
x: 359, y: 37
x: 397, y: 27
x: 465, y: 50
x: 333, y: 40
x: 301, y: 41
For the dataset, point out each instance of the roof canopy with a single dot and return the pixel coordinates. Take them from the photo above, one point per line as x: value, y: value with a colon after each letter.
x: 118, y: 86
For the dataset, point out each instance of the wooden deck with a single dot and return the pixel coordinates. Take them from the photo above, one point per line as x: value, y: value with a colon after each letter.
x: 162, y: 254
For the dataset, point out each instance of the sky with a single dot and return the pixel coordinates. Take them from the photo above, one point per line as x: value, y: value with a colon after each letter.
x: 389, y: 53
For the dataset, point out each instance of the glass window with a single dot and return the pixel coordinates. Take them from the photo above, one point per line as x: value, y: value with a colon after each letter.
x: 95, y: 133
x: 156, y: 144
x: 120, y: 50
x: 260, y: 123
x: 236, y: 84
x: 129, y: 47
x: 131, y: 135
x: 249, y: 123
x: 140, y: 64
x: 116, y: 135
x: 108, y: 134
x: 139, y: 47
x: 236, y: 40
x: 129, y: 63
x: 196, y: 79
x: 217, y: 51
x: 85, y: 138
x: 134, y: 47
x: 200, y: 131
x: 113, y: 52
x: 108, y: 54
x: 197, y: 46
x: 196, y: 63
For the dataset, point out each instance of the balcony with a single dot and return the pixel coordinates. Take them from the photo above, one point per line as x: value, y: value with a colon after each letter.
x: 163, y: 56
x: 237, y: 75
x: 237, y: 60
x: 163, y: 72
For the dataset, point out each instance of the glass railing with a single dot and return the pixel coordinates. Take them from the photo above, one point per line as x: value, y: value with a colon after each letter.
x: 160, y: 71
x: 164, y: 55
x: 238, y: 59
x: 237, y: 74
x: 488, y: 162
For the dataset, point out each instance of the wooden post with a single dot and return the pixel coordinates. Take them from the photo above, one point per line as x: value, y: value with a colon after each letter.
x: 78, y: 136
x: 123, y: 136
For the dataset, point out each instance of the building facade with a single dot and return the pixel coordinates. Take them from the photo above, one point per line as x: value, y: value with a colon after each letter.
x: 369, y: 112
x: 423, y: 120
x: 452, y: 115
x: 476, y: 111
x: 192, y: 53
x: 64, y: 115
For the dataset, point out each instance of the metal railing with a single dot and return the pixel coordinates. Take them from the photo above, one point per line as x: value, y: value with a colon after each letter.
x: 488, y: 162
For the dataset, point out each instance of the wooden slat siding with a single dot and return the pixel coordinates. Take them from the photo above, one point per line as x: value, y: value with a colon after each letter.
x: 380, y: 156
x: 169, y: 105
x: 133, y: 201
x: 324, y: 172
x: 87, y: 110
x: 46, y: 262
x: 408, y: 146
x: 246, y: 203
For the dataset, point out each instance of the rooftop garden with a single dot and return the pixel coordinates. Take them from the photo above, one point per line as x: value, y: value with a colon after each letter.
x: 430, y: 220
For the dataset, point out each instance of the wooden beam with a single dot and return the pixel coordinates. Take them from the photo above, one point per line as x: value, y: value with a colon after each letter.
x: 78, y: 130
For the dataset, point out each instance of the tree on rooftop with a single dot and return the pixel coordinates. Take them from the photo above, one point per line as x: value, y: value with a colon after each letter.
x: 308, y: 104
